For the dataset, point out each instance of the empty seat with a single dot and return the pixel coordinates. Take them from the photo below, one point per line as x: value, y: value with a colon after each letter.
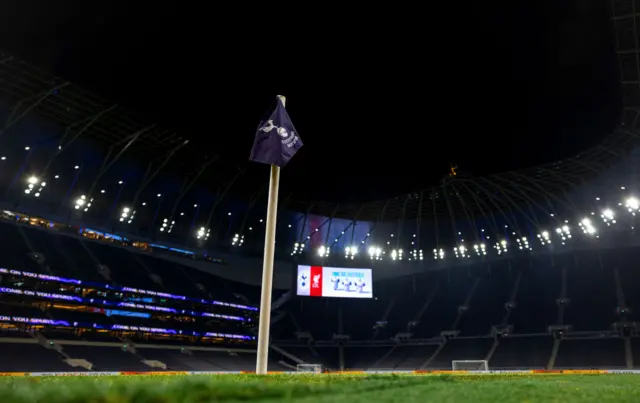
x: 107, y: 358
x: 25, y: 357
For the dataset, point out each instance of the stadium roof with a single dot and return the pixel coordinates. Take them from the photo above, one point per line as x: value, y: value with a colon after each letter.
x: 72, y: 106
x: 457, y: 196
x: 85, y: 113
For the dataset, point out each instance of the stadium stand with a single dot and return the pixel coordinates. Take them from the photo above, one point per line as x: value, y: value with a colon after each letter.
x: 536, y: 311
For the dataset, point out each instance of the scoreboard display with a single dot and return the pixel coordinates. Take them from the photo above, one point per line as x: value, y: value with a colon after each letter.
x: 337, y: 282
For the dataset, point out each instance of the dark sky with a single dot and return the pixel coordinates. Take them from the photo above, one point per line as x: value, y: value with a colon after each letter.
x: 384, y: 99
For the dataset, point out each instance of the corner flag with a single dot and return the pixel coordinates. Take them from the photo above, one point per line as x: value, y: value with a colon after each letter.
x: 276, y: 140
x: 275, y: 144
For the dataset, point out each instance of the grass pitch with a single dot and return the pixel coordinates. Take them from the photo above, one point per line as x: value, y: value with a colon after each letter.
x: 323, y: 388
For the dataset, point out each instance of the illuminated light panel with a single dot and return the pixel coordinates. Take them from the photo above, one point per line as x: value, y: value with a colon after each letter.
x: 397, y: 254
x: 298, y: 248
x: 81, y: 201
x: 323, y: 251
x: 587, y: 227
x: 203, y: 233
x: 417, y: 254
x: 632, y: 205
x: 350, y: 252
x: 544, y: 238
x: 564, y: 232
x: 127, y: 215
x: 481, y: 250
x: 523, y: 243
x: 167, y: 225
x: 501, y: 247
x: 375, y: 252
x: 608, y: 216
x: 461, y: 252
x: 237, y: 240
x: 34, y: 187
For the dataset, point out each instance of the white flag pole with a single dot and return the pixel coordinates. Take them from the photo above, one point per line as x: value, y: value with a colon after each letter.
x: 267, y: 268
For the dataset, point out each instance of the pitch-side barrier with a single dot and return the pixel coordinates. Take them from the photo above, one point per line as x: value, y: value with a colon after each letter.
x: 480, y: 373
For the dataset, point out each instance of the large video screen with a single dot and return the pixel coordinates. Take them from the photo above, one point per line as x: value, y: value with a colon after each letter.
x: 339, y: 282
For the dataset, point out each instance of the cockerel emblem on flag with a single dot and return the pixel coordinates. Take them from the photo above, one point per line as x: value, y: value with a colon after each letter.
x: 276, y: 140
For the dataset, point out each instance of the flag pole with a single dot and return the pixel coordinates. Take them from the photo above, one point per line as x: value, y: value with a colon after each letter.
x: 264, y: 323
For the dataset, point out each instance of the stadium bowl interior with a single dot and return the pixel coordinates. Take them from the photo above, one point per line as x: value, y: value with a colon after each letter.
x: 126, y: 269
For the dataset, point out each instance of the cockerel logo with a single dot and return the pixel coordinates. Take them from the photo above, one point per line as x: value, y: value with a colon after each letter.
x: 282, y: 132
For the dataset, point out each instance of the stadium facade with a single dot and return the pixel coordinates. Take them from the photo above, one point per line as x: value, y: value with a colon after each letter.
x: 116, y: 243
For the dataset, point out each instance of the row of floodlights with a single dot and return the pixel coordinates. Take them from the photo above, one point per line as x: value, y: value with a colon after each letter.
x: 462, y: 251
x: 632, y: 204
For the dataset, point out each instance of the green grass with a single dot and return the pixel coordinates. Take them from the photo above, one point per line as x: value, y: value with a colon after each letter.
x: 323, y: 388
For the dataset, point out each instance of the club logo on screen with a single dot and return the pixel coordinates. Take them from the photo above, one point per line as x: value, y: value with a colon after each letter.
x: 316, y: 281
x: 304, y: 280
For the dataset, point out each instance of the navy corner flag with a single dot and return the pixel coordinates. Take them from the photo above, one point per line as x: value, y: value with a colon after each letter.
x: 276, y: 140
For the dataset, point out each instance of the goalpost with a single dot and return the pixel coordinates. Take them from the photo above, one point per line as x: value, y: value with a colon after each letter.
x: 309, y: 368
x: 470, y: 365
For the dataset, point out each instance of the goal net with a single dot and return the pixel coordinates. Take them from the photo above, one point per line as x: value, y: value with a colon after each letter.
x: 311, y: 368
x: 470, y: 365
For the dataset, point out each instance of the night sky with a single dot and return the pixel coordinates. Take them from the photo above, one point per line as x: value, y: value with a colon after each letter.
x: 384, y: 99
